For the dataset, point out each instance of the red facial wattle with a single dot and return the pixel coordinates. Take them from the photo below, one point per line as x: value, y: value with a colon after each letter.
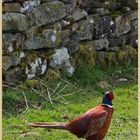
x: 111, y: 96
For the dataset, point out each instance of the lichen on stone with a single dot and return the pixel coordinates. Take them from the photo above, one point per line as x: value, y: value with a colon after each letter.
x: 29, y: 5
x: 34, y: 65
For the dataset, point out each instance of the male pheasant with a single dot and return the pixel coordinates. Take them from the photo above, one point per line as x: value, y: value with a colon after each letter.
x: 93, y: 125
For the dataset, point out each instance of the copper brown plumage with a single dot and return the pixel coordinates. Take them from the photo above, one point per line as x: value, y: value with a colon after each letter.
x: 92, y: 125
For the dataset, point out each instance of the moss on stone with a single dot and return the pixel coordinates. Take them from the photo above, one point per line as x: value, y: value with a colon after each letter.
x: 59, y: 38
x: 127, y: 54
x: 115, y: 14
x: 31, y: 83
x: 112, y: 58
x: 132, y: 52
x: 86, y: 55
x: 107, y: 59
x: 121, y: 55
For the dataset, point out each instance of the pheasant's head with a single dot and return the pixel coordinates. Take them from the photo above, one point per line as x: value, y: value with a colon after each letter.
x: 107, y: 98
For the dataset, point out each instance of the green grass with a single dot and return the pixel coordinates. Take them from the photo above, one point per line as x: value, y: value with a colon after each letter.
x: 124, y: 123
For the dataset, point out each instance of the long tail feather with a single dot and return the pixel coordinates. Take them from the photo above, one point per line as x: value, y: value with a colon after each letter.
x: 49, y: 125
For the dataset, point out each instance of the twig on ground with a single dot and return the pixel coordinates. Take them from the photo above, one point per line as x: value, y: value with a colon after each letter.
x: 59, y: 96
x: 58, y: 85
x: 48, y: 92
x: 8, y: 86
x: 43, y: 91
x: 27, y: 106
x: 62, y: 89
x: 45, y: 85
x: 69, y: 94
x: 41, y: 95
x: 64, y: 80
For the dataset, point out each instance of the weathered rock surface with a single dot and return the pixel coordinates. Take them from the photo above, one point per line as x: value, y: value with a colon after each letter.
x: 122, y: 25
x: 88, y: 4
x: 103, y: 26
x: 69, y: 8
x: 72, y: 44
x: 59, y: 57
x: 134, y: 25
x: 48, y: 13
x: 14, y: 22
x: 34, y: 43
x: 9, y: 61
x: 134, y: 14
x: 112, y: 5
x: 115, y: 42
x: 12, y: 60
x: 11, y: 7
x: 19, y: 1
x: 12, y: 42
x: 7, y: 1
x: 101, y: 44
x: 85, y: 31
x: 13, y: 76
x: 66, y: 35
x: 29, y: 5
x: 99, y: 11
x: 133, y: 40
x: 69, y: 67
x: 61, y: 60
x: 52, y: 38
x: 79, y: 14
x: 130, y: 3
x: 40, y: 39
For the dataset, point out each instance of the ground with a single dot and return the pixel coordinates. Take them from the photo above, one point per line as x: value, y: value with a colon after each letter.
x: 69, y: 98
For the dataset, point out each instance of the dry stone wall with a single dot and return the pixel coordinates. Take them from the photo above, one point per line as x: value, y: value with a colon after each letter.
x: 43, y: 34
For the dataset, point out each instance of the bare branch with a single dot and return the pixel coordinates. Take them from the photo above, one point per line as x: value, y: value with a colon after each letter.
x: 68, y: 94
x: 58, y: 85
x: 62, y: 89
x: 45, y: 85
x: 49, y: 96
x: 64, y: 80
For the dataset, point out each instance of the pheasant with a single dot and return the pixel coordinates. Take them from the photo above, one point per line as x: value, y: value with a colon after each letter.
x: 93, y: 125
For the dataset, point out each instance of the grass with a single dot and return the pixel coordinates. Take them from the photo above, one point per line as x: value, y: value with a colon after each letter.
x: 65, y: 108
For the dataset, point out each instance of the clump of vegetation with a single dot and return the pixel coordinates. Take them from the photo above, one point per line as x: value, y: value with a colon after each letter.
x: 127, y: 55
x: 31, y: 83
x: 86, y: 55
